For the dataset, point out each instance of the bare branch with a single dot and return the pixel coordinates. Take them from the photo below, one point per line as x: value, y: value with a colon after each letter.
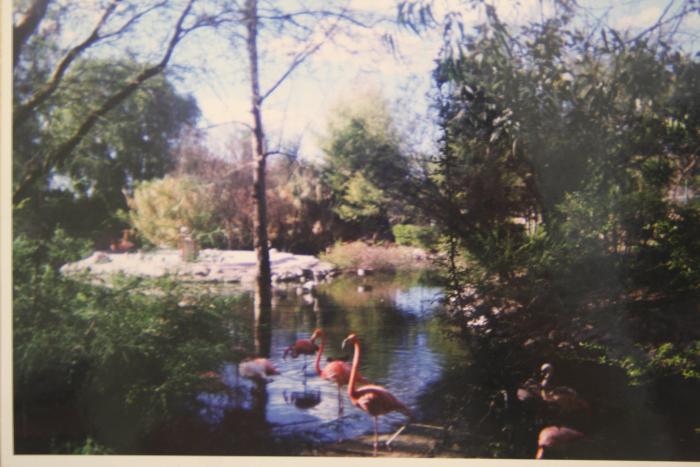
x: 234, y: 122
x: 301, y: 58
x: 123, y: 28
x: 298, y: 60
x: 341, y: 15
x: 660, y: 22
x: 292, y: 157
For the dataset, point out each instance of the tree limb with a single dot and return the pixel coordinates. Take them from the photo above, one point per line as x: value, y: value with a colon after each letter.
x: 37, y: 168
x: 23, y: 31
x: 661, y: 21
x: 234, y: 122
x: 298, y: 60
x: 317, y: 13
x: 24, y: 110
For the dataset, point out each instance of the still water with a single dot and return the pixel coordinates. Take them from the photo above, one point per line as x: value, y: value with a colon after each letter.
x: 403, y: 350
x: 165, y: 405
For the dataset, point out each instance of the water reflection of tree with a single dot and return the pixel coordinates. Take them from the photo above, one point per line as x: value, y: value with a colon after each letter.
x: 262, y: 327
x: 239, y: 429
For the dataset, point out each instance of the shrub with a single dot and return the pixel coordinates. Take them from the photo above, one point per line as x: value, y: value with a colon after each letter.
x: 356, y: 255
x: 420, y: 236
x: 160, y: 207
x: 134, y: 344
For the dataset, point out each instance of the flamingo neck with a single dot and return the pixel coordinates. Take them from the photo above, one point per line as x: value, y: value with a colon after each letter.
x: 353, y: 372
x: 540, y: 453
x: 546, y: 381
x: 319, y: 352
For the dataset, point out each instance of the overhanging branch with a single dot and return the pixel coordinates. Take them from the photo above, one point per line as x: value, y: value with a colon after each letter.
x: 24, y: 110
x: 42, y: 166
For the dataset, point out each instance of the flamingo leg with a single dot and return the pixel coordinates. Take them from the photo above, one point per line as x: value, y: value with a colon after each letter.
x: 303, y: 368
x: 393, y: 437
x: 340, y: 403
x: 376, y: 437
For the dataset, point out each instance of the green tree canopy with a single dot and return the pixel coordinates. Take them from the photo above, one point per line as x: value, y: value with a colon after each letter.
x: 362, y: 154
x: 584, y: 136
x: 133, y: 142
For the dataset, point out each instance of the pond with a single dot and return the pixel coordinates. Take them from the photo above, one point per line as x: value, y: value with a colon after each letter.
x: 405, y: 349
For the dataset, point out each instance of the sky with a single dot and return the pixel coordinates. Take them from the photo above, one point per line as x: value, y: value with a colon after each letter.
x: 209, y: 68
x: 299, y: 109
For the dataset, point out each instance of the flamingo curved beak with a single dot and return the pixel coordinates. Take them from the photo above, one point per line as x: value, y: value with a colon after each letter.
x: 345, y: 341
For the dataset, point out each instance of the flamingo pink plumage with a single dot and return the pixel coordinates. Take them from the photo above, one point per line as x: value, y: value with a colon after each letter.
x: 375, y: 400
x: 257, y: 369
x: 301, y: 347
x: 337, y: 371
x: 554, y: 437
x: 565, y: 398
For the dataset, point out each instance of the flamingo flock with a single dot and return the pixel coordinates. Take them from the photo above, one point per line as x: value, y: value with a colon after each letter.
x: 377, y: 401
x: 563, y: 400
x: 372, y: 399
x: 337, y: 371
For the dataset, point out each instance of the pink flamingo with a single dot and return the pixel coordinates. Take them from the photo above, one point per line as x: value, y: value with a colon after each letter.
x: 257, y: 369
x: 375, y: 400
x: 529, y: 390
x: 122, y: 245
x: 337, y: 371
x: 566, y: 398
x: 552, y: 437
x: 301, y: 347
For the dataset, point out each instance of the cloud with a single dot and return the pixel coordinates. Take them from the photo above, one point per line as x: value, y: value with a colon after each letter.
x: 639, y: 20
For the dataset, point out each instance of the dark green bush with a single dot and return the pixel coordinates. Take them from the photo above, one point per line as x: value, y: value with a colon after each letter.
x: 134, y: 345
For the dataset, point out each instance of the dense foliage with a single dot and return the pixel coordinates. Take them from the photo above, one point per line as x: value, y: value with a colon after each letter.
x: 142, y: 352
x: 567, y: 171
x: 133, y: 143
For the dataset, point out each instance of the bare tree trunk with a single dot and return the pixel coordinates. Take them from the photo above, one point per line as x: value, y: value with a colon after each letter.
x: 263, y: 291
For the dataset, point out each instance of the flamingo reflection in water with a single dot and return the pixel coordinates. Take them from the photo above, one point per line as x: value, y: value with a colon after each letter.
x: 305, y: 399
x: 375, y: 400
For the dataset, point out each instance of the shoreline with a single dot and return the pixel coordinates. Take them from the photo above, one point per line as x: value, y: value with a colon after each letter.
x: 211, y: 266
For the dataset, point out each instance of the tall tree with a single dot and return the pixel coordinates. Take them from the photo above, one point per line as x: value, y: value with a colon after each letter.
x: 362, y: 156
x: 311, y: 29
x: 263, y: 277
